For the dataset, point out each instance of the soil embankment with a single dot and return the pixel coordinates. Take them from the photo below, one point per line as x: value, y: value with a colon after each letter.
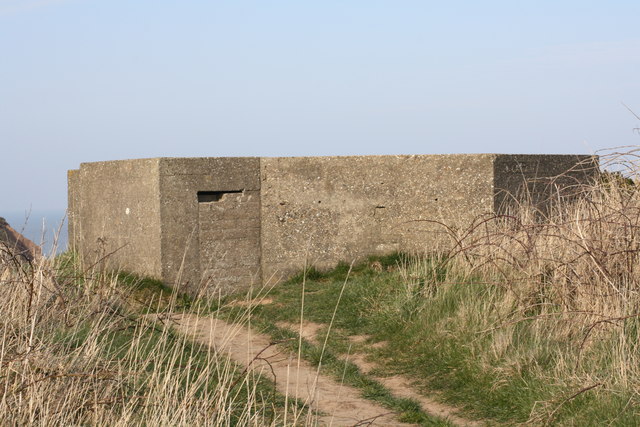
x: 17, y: 243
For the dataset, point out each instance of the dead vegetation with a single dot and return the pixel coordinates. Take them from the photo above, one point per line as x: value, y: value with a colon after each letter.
x: 75, y: 352
x: 542, y: 309
x: 564, y: 286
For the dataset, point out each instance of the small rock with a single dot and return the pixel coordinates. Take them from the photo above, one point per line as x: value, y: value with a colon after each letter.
x: 376, y: 266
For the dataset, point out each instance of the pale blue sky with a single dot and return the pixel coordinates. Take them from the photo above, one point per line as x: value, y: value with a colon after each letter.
x: 88, y: 80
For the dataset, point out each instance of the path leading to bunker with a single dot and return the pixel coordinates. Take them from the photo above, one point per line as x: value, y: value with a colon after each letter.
x: 398, y: 385
x: 337, y: 404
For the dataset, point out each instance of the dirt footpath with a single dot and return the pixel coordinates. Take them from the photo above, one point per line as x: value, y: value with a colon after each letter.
x: 331, y: 403
x: 398, y: 385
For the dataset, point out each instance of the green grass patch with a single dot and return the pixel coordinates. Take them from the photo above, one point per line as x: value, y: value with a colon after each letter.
x: 154, y: 295
x: 343, y: 371
x: 103, y: 331
x: 437, y: 332
x: 162, y: 355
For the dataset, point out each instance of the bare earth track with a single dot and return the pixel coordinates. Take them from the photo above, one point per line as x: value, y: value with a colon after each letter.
x: 331, y: 403
x: 398, y: 385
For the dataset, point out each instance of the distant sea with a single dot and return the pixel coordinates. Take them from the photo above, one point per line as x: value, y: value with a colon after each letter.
x: 45, y: 228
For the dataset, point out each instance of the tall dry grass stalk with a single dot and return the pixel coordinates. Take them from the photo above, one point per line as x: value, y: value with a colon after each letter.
x: 75, y: 351
x: 566, y: 280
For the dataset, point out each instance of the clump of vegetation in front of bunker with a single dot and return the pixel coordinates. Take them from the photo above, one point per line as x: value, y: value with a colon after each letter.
x: 530, y: 317
x: 80, y: 348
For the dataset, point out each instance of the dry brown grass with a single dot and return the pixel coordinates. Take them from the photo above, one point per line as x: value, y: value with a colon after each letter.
x: 565, y: 285
x: 74, y: 351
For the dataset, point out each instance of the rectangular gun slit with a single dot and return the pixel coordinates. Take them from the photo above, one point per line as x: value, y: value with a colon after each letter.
x: 214, y: 196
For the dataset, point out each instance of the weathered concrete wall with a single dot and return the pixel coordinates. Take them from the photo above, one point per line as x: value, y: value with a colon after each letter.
x: 219, y: 224
x: 229, y: 236
x: 115, y: 214
x: 540, y: 178
x: 328, y: 209
x: 206, y: 247
x: 73, y: 186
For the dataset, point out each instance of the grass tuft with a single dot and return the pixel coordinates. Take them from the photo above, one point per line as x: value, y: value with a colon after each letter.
x: 78, y: 348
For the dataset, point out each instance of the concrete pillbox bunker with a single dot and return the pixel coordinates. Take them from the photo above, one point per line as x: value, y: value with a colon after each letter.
x: 209, y: 224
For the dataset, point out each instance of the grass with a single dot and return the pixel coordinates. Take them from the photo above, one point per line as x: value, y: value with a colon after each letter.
x: 532, y: 316
x: 81, y: 349
x: 348, y: 373
x: 438, y: 338
x: 328, y: 361
x: 87, y: 348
